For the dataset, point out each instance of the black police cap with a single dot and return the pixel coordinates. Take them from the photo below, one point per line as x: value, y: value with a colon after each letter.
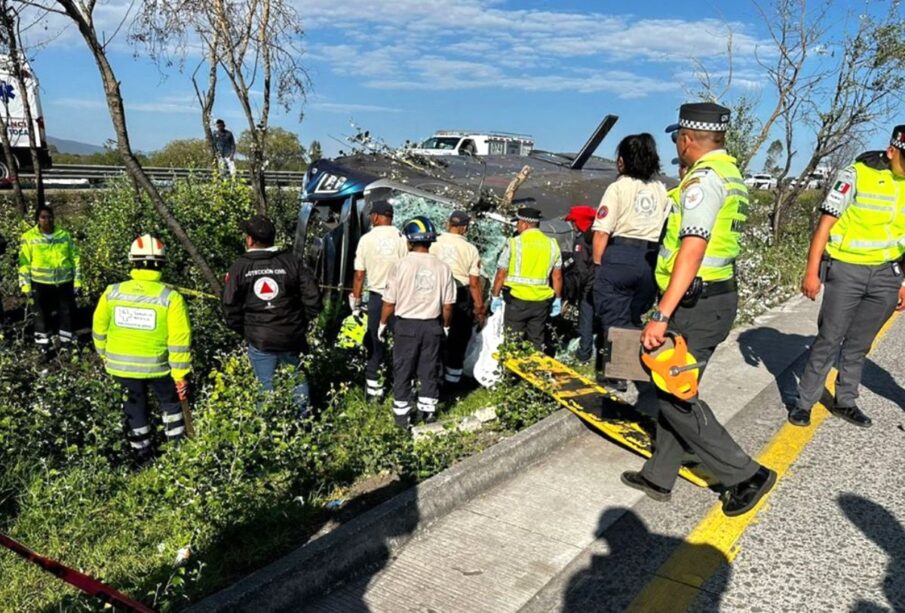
x: 706, y: 116
x: 898, y: 137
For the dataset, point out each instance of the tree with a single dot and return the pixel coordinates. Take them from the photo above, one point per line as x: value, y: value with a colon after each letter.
x: 81, y: 12
x: 743, y: 125
x: 255, y: 43
x: 183, y: 153
x: 857, y: 87
x: 315, y: 152
x: 774, y: 152
x: 284, y: 151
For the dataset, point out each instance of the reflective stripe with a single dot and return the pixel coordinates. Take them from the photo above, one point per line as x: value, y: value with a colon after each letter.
x: 180, y: 365
x: 169, y: 418
x: 47, y: 241
x: 665, y: 252
x: 427, y: 405
x: 873, y: 207
x: 524, y: 281
x: 870, y: 196
x: 161, y: 300
x: 178, y: 348
x: 873, y: 244
x: 137, y: 359
x: 518, y: 259
x: 98, y: 337
x: 401, y: 407
x: 141, y: 431
x: 737, y: 192
x: 175, y: 431
x: 144, y: 370
x: 717, y: 262
x: 140, y: 444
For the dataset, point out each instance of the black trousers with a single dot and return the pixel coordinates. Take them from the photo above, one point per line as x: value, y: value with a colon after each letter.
x: 527, y: 319
x: 416, y: 352
x: 693, y: 423
x: 137, y: 414
x: 50, y: 299
x: 376, y: 349
x: 460, y: 331
x: 624, y: 287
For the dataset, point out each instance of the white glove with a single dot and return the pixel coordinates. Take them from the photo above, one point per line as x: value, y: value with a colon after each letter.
x: 446, y: 331
x: 496, y: 303
x: 381, y: 332
x: 355, y: 305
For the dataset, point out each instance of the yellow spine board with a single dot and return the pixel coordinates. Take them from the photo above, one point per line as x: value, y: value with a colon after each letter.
x: 617, y: 419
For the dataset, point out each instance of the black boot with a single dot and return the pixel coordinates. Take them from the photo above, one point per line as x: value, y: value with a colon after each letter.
x: 637, y: 481
x: 799, y: 416
x: 744, y: 496
x: 853, y: 415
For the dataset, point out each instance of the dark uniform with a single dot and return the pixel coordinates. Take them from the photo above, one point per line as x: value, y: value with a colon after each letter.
x: 863, y: 278
x: 713, y: 204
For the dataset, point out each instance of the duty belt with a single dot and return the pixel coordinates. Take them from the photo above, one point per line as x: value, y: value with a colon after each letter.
x: 633, y: 242
x: 717, y: 288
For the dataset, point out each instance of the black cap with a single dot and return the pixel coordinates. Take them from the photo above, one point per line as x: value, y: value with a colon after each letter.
x: 459, y: 218
x: 898, y: 137
x: 261, y: 229
x: 219, y: 121
x: 382, y: 207
x: 706, y: 116
x: 528, y: 214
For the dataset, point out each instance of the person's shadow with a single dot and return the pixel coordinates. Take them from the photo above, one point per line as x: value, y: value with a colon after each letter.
x: 770, y: 347
x: 882, y: 527
x: 635, y: 558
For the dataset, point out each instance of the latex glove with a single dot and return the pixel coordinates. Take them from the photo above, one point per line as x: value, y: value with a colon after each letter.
x: 182, y: 389
x: 381, y: 332
x: 355, y: 305
x: 446, y: 331
x: 556, y: 308
x: 496, y: 304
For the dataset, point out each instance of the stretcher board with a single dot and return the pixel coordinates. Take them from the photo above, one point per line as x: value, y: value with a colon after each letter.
x: 599, y: 408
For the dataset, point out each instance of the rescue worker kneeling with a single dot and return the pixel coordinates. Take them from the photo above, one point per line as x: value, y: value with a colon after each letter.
x: 420, y: 290
x: 142, y: 333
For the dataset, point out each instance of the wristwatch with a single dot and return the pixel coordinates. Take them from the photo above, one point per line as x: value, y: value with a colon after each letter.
x: 659, y: 316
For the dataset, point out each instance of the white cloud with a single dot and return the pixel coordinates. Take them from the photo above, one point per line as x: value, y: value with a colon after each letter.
x: 341, y: 107
x: 172, y: 104
x: 466, y: 44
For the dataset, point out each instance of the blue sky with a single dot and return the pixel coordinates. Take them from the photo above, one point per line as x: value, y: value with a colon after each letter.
x: 404, y: 68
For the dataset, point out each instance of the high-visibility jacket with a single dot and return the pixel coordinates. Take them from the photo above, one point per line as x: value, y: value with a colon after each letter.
x: 49, y: 261
x: 723, y: 247
x: 532, y: 255
x: 141, y: 329
x: 871, y: 230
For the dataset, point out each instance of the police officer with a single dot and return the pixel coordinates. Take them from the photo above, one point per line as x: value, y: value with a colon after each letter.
x: 420, y: 292
x: 626, y: 236
x: 695, y: 273
x: 861, y: 238
x: 49, y: 274
x: 463, y: 258
x: 141, y: 331
x: 530, y: 269
x: 270, y: 298
x: 378, y: 250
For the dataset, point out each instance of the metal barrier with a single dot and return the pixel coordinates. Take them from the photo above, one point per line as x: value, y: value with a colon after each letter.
x: 75, y: 175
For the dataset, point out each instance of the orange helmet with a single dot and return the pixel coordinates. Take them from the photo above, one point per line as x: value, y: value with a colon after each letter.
x: 146, y: 248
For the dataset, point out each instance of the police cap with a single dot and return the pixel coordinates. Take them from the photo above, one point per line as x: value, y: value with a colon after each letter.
x: 705, y: 116
x: 898, y: 137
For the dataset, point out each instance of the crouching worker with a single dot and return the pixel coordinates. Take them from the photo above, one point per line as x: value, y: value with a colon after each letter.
x: 420, y: 290
x: 141, y: 331
x: 269, y: 299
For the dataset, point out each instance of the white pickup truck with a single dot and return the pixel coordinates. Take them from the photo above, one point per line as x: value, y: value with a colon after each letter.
x: 12, y: 108
x: 463, y: 142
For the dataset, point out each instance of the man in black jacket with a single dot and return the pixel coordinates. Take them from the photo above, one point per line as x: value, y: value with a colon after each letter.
x: 269, y: 299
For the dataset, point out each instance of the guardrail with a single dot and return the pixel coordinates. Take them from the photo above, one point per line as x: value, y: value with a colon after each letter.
x: 74, y: 175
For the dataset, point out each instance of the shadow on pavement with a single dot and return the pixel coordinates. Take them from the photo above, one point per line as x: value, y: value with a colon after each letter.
x: 769, y: 346
x: 882, y: 527
x: 882, y: 383
x: 635, y: 555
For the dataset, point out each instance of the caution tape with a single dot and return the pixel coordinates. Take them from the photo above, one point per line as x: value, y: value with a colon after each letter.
x: 81, y: 581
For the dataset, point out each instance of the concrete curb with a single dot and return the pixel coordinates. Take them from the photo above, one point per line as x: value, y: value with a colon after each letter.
x: 377, y: 534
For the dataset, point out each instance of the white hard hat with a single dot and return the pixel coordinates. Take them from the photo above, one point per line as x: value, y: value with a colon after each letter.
x: 146, y: 248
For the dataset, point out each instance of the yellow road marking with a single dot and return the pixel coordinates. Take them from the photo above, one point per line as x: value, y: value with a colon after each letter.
x: 714, y: 541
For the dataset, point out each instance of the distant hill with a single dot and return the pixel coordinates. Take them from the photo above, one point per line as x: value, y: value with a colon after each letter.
x: 73, y: 146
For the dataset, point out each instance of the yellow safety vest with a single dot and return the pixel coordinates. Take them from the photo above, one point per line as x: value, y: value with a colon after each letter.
x: 723, y: 247
x: 49, y: 261
x: 532, y: 255
x: 872, y: 228
x: 141, y: 329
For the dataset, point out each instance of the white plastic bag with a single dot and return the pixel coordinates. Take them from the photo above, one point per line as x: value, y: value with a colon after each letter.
x: 479, y: 360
